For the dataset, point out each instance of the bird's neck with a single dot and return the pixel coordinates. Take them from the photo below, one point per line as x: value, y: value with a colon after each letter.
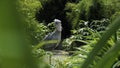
x: 57, y: 30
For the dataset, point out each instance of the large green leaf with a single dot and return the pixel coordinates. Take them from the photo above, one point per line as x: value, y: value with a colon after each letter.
x: 14, y: 52
x: 109, y: 58
x: 109, y: 32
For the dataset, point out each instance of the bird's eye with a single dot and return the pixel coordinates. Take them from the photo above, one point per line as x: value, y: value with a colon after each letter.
x: 56, y: 23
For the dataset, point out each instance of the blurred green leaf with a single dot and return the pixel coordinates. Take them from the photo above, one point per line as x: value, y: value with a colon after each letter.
x: 14, y: 51
x: 109, y: 32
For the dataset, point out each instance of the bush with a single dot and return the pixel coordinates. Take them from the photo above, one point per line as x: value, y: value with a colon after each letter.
x: 35, y: 30
x: 89, y: 10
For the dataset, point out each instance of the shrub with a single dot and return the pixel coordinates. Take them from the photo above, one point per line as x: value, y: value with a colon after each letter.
x: 35, y: 30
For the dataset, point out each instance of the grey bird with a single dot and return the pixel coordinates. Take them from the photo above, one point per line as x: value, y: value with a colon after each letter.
x: 55, y: 35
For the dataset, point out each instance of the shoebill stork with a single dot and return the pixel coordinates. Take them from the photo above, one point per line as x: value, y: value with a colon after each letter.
x: 55, y: 35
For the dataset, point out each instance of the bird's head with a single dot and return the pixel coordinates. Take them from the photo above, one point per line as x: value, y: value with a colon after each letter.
x: 57, y: 23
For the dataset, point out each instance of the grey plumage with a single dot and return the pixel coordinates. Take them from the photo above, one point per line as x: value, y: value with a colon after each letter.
x: 55, y: 35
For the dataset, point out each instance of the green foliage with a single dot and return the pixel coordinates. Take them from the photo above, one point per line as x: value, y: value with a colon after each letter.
x: 111, y: 55
x: 89, y: 10
x: 35, y: 31
x: 91, y: 44
x: 14, y: 50
x: 117, y: 64
x: 85, y: 32
x: 112, y: 29
x: 111, y: 7
x: 107, y: 50
x: 82, y: 11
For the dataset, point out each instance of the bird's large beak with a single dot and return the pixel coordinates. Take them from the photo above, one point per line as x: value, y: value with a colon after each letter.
x: 59, y: 27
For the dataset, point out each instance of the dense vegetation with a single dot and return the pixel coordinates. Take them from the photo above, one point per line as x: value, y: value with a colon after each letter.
x: 91, y: 34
